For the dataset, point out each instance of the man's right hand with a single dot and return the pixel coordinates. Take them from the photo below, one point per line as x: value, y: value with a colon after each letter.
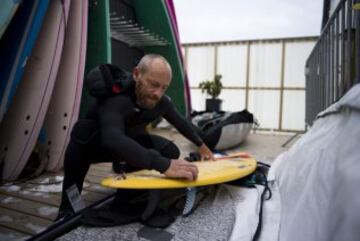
x: 182, y: 169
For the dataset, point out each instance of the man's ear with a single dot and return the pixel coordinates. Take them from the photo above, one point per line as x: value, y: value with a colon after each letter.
x: 135, y: 73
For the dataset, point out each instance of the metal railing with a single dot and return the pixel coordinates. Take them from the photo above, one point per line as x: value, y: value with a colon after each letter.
x: 333, y: 66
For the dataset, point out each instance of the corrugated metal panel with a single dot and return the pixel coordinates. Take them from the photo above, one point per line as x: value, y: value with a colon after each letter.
x: 265, y: 76
x: 293, y: 116
x: 295, y: 59
x: 200, y: 64
x: 265, y: 65
x: 233, y: 100
x: 265, y: 105
x: 197, y: 100
x: 231, y: 64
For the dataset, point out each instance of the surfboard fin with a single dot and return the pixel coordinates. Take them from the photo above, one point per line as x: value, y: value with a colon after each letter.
x: 190, y: 201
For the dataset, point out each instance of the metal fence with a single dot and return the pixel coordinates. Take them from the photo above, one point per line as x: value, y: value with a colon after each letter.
x: 333, y: 66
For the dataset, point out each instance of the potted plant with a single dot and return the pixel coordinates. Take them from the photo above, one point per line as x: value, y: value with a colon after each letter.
x: 212, y: 88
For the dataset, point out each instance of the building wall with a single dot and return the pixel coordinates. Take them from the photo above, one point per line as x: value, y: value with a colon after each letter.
x: 265, y: 76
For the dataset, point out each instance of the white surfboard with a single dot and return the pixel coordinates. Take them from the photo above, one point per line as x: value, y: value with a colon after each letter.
x: 64, y: 106
x: 22, y: 122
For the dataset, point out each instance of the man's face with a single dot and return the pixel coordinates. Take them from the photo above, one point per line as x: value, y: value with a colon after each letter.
x: 151, y: 85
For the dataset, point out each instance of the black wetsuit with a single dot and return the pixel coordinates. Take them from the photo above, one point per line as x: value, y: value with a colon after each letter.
x: 114, y: 131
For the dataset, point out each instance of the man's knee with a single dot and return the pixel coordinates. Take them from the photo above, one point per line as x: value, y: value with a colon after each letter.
x: 171, y: 151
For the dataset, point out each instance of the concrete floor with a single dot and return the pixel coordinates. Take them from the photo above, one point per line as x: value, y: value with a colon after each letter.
x: 264, y: 146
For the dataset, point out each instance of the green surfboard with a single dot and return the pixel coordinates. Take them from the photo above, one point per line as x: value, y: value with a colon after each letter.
x: 98, y: 43
x: 153, y: 15
x: 102, y: 48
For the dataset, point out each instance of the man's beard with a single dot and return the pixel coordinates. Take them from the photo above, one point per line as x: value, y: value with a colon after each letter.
x: 143, y: 99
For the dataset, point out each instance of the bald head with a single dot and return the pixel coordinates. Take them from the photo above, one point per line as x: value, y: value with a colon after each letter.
x: 154, y: 61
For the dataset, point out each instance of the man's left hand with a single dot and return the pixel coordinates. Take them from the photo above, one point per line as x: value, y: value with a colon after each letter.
x: 206, y: 153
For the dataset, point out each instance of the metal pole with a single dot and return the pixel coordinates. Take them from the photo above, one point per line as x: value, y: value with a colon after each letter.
x: 323, y: 76
x: 349, y: 42
x: 247, y: 75
x: 332, y: 54
x: 337, y: 56
x: 310, y: 86
x: 282, y: 73
x: 318, y: 82
x: 357, y: 41
x: 62, y: 227
x: 307, y: 88
x: 343, y: 67
x: 333, y: 66
x: 215, y: 60
x: 327, y: 68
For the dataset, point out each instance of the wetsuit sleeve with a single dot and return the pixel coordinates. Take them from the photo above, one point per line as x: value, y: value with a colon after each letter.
x: 112, y: 112
x: 181, y: 124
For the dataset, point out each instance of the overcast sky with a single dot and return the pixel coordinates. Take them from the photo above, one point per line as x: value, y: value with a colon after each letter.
x: 223, y: 20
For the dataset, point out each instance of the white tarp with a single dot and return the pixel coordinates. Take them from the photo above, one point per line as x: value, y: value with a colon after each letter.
x: 247, y: 214
x: 314, y: 184
x: 319, y: 179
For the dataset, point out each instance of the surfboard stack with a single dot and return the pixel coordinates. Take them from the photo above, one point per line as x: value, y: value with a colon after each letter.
x: 171, y: 12
x: 46, y: 46
x: 64, y: 106
x: 44, y: 71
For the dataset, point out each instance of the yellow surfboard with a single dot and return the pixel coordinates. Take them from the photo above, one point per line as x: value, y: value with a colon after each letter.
x: 224, y: 169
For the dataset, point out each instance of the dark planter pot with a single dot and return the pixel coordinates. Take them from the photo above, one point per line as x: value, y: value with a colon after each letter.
x: 213, y: 105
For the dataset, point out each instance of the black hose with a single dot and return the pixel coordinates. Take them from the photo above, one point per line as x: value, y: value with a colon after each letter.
x: 62, y: 227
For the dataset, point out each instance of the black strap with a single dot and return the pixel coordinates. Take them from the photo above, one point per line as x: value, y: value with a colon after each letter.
x: 107, y: 218
x: 153, y: 201
x: 262, y: 199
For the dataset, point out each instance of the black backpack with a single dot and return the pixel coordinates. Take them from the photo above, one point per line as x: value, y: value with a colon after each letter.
x: 107, y: 80
x: 103, y: 81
